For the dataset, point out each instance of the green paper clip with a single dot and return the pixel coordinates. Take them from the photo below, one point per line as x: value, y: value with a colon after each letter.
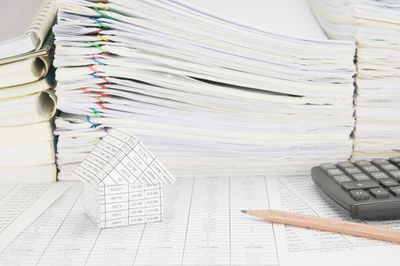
x: 97, y: 46
x: 100, y: 23
x: 95, y: 112
x: 102, y: 14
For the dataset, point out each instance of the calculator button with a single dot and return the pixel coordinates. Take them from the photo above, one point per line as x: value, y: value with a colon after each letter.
x: 378, y: 175
x: 362, y: 163
x: 395, y: 174
x: 359, y: 185
x: 326, y: 166
x: 333, y: 172
x: 343, y: 165
x: 379, y: 193
x: 370, y: 168
x: 341, y: 178
x: 360, y: 177
x: 395, y: 191
x: 395, y: 160
x: 388, y: 167
x: 388, y: 182
x: 359, y: 194
x: 379, y: 161
x: 352, y: 170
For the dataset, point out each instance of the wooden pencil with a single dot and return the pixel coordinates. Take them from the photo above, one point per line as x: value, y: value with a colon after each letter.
x: 325, y: 224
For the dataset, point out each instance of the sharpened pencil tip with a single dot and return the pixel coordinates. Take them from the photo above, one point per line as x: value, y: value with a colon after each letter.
x: 243, y: 211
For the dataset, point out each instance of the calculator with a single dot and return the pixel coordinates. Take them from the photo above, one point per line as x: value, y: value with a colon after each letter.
x: 368, y: 189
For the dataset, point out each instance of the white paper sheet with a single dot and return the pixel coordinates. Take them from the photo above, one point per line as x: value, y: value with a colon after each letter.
x: 300, y: 246
x: 289, y: 17
x: 21, y: 204
x: 202, y: 225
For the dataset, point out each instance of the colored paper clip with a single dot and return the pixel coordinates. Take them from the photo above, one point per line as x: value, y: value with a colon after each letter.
x: 101, y: 94
x: 96, y: 31
x: 94, y: 75
x: 96, y: 92
x: 100, y: 23
x: 95, y: 112
x: 98, y: 46
x: 96, y: 56
x: 96, y: 141
x: 94, y: 70
x: 102, y: 106
x: 105, y: 7
x: 93, y: 123
x: 97, y: 61
x: 100, y: 100
x: 102, y: 14
x: 85, y: 90
x: 102, y: 38
x: 103, y: 86
x: 106, y: 80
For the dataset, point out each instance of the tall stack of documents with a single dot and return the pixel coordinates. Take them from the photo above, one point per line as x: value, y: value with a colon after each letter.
x: 26, y: 101
x: 374, y: 25
x: 207, y: 93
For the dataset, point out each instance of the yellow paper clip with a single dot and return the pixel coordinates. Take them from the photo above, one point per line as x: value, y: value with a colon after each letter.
x: 102, y: 38
x: 105, y: 7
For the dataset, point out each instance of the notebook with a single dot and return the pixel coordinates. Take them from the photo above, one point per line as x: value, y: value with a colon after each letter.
x: 27, y: 68
x: 32, y: 108
x: 26, y: 29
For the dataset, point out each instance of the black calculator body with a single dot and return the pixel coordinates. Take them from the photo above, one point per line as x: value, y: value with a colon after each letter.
x: 369, y: 190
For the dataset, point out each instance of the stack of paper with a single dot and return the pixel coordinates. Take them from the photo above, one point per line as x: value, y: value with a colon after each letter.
x: 26, y: 101
x: 375, y: 27
x: 207, y: 94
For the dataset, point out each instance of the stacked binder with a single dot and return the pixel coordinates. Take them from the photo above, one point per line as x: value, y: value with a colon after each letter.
x: 374, y: 25
x: 208, y: 95
x: 27, y: 102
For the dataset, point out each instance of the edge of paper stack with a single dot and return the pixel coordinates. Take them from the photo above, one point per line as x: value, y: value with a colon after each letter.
x: 204, y: 102
x: 374, y: 25
x: 27, y: 105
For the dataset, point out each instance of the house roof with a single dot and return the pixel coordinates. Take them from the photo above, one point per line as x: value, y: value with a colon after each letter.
x: 122, y: 159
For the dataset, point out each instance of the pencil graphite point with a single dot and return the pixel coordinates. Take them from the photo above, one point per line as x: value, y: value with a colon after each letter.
x: 244, y: 211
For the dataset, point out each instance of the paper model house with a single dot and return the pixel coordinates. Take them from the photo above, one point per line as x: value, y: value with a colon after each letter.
x: 122, y: 182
